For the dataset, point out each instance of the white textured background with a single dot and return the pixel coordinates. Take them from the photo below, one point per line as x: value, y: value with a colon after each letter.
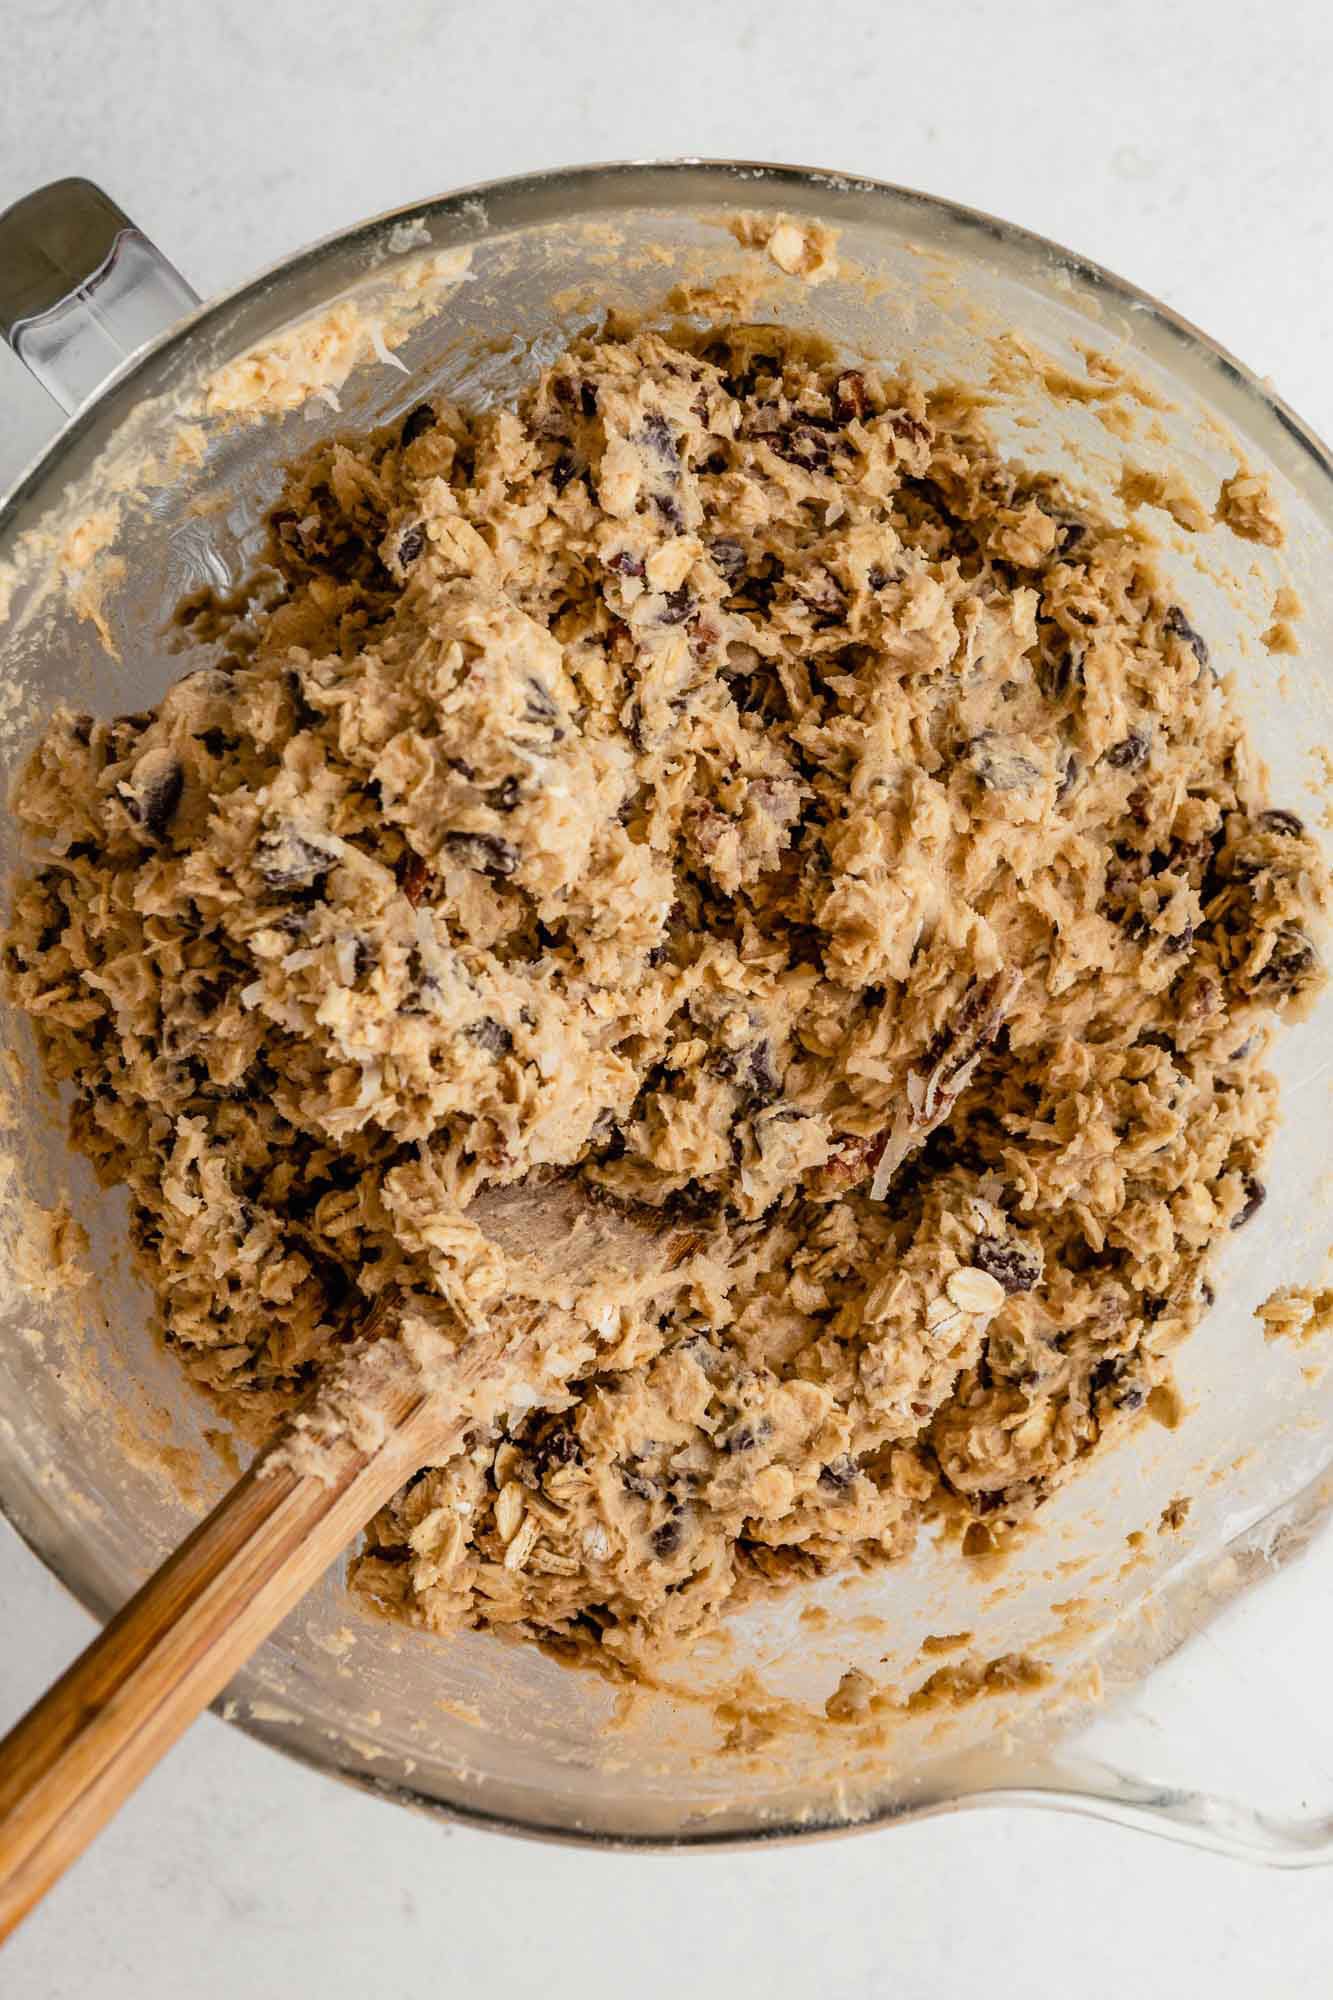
x: 1187, y: 144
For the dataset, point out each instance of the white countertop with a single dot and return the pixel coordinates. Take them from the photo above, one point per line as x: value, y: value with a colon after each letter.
x: 1188, y: 146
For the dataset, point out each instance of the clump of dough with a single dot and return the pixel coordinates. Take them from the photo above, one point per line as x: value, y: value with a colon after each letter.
x: 725, y: 779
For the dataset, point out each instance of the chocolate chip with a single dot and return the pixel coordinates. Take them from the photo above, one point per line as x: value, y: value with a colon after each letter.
x: 728, y: 557
x: 1061, y: 671
x: 801, y: 444
x: 415, y: 424
x: 410, y: 547
x: 157, y: 794
x: 665, y: 1540
x: 539, y: 703
x: 485, y: 852
x: 490, y: 1035
x: 677, y: 606
x: 504, y: 796
x: 747, y: 1435
x: 1292, y: 962
x: 764, y: 1079
x: 1277, y: 820
x: 1256, y: 1194
x: 996, y: 766
x: 284, y: 859
x: 560, y: 1446
x: 217, y: 742
x: 1011, y: 1262
x: 657, y: 434
x: 1179, y: 626
x: 1132, y: 753
x: 849, y: 398
x: 625, y: 564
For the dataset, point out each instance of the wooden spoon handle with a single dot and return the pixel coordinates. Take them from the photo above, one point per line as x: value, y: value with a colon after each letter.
x: 71, y: 1762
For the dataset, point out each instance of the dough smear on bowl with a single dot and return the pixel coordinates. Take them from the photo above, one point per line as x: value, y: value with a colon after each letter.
x: 726, y: 779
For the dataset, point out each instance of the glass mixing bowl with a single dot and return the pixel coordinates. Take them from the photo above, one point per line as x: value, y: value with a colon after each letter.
x: 1183, y: 1681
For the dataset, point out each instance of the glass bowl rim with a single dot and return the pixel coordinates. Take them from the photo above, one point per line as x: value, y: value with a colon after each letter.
x: 488, y: 209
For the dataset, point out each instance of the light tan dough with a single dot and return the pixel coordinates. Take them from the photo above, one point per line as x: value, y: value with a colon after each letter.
x: 726, y: 779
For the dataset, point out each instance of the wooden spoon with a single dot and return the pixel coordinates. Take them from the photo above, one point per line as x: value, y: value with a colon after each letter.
x: 70, y: 1763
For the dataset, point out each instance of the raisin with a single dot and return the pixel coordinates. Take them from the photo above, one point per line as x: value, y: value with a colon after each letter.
x: 1106, y: 1373
x: 414, y: 877
x: 677, y: 606
x: 1176, y: 623
x: 1181, y: 941
x: 415, y: 424
x: 1276, y: 820
x: 728, y: 558
x: 910, y: 428
x: 1012, y: 1263
x: 491, y: 1035
x: 838, y: 1474
x: 1132, y: 753
x: 1256, y: 1194
x: 410, y: 547
x: 217, y: 742
x: 563, y: 471
x: 587, y: 399
x: 849, y: 397
x: 625, y: 564
x: 485, y: 852
x: 669, y: 510
x: 1069, y: 777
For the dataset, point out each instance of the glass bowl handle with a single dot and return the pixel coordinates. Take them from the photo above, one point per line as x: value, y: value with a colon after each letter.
x: 81, y: 289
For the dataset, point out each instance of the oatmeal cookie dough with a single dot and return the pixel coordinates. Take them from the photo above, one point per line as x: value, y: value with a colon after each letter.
x: 726, y: 780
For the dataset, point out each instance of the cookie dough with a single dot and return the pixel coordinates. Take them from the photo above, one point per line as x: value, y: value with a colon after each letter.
x: 726, y: 779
